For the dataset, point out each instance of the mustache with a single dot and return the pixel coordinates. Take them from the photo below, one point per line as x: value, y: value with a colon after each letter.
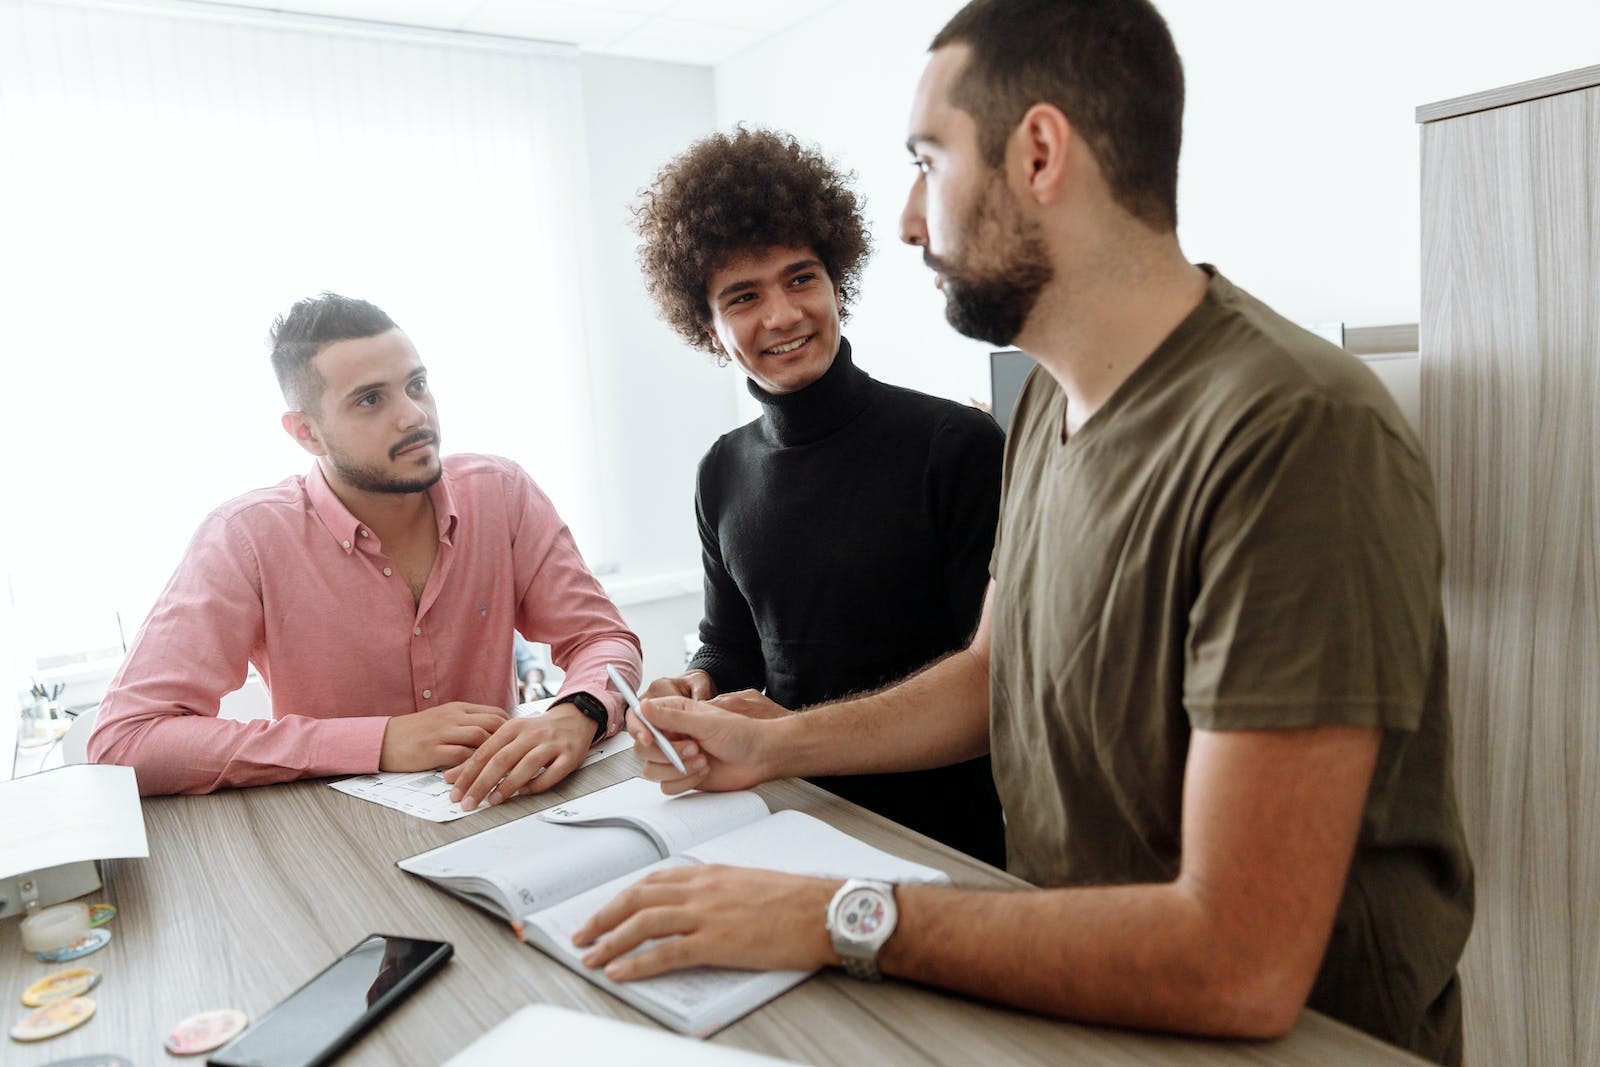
x: 420, y: 437
x: 936, y: 263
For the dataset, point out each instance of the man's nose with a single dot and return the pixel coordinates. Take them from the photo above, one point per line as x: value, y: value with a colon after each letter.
x: 411, y: 413
x: 783, y: 310
x: 913, y: 223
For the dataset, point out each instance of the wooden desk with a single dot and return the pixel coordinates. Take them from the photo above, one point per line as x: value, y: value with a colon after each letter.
x: 248, y: 893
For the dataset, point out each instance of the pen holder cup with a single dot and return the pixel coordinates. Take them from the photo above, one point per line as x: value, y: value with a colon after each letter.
x: 43, y: 720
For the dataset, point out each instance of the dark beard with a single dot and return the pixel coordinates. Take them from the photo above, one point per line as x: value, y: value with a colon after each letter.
x: 993, y: 305
x: 370, y: 481
x: 373, y: 480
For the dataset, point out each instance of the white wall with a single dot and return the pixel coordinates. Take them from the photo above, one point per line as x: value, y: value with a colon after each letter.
x: 1300, y: 172
x: 658, y: 405
x: 665, y: 402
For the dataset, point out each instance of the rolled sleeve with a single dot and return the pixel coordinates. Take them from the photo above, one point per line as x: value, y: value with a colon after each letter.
x: 562, y: 604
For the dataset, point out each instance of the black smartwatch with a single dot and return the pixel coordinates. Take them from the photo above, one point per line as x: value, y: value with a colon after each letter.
x: 591, y: 707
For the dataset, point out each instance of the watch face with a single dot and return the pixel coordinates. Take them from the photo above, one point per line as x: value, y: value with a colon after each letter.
x: 862, y: 914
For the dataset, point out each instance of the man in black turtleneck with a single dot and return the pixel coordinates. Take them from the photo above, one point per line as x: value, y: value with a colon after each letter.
x: 846, y: 533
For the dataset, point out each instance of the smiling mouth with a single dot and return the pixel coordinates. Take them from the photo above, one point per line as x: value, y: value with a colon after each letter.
x: 788, y: 346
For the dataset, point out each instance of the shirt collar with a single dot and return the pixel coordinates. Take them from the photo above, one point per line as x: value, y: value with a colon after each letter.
x: 444, y: 507
x: 348, y: 531
x: 331, y: 510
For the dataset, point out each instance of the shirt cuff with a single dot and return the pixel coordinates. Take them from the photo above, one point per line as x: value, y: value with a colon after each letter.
x: 348, y: 746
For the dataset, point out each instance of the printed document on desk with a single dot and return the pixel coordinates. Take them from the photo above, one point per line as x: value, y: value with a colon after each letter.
x: 426, y: 795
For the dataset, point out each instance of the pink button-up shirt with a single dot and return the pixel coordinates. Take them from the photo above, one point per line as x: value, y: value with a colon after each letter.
x: 286, y: 578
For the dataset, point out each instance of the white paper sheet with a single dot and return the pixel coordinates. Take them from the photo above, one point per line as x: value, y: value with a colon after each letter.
x: 68, y: 815
x: 564, y: 1036
x: 426, y: 795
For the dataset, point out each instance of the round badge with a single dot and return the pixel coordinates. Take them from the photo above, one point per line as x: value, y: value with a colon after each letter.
x: 93, y: 941
x: 100, y: 914
x: 206, y: 1031
x: 73, y: 982
x: 53, y: 1019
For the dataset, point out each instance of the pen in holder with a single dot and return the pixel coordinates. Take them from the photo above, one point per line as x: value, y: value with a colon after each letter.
x: 43, y: 720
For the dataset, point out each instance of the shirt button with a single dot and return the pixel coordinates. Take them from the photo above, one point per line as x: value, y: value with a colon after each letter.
x: 418, y: 631
x: 347, y: 544
x: 387, y: 572
x: 363, y: 533
x: 426, y: 693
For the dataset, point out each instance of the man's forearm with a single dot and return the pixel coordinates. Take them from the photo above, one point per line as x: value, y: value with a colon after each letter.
x: 1141, y: 956
x: 937, y: 717
x: 175, y: 751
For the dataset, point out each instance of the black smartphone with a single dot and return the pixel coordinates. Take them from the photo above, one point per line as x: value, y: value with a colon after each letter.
x: 320, y: 1019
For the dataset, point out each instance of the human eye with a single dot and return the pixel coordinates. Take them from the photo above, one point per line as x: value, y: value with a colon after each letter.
x: 922, y: 165
x: 367, y: 400
x: 803, y: 278
x: 418, y: 386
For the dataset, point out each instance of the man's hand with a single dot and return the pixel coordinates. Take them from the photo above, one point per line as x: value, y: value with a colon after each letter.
x: 694, y: 684
x: 721, y: 750
x: 547, y: 747
x: 751, y: 704
x: 723, y: 916
x: 440, y: 736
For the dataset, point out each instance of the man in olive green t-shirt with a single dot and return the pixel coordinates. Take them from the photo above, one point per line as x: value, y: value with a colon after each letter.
x: 1211, y: 666
x: 1242, y: 537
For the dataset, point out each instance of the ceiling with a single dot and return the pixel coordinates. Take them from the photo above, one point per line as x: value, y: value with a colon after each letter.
x: 681, y: 31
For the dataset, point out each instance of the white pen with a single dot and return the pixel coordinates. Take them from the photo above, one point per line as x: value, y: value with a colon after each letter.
x: 632, y: 699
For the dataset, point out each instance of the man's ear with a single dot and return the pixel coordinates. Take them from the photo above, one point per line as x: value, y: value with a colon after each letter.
x: 1042, y: 153
x: 298, y: 425
x: 711, y: 335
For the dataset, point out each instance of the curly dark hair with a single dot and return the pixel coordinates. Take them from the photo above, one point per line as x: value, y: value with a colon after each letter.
x: 734, y: 193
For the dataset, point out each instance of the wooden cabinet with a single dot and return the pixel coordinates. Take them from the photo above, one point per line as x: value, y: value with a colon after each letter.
x: 1510, y: 383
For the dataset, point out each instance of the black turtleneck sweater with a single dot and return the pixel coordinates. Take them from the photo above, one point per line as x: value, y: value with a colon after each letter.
x: 846, y: 535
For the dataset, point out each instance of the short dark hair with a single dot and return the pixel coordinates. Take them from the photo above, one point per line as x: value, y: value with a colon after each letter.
x: 310, y: 326
x: 734, y: 193
x: 1109, y: 65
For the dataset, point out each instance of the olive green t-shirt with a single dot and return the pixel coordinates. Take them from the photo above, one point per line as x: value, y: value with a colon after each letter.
x: 1243, y: 537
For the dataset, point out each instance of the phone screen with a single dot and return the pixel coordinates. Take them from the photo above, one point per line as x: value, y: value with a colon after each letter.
x: 320, y: 1018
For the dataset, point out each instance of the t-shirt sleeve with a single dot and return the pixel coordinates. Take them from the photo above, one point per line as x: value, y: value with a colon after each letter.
x: 964, y: 484
x: 1319, y: 564
x: 730, y: 648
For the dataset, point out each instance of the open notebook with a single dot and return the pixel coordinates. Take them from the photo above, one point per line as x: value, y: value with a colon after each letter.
x: 547, y: 873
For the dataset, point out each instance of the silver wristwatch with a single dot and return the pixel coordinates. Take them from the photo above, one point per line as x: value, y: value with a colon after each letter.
x: 861, y: 917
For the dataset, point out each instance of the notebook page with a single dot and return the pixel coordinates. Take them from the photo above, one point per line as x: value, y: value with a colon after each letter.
x: 800, y: 844
x: 539, y: 862
x: 677, y: 823
x: 701, y: 997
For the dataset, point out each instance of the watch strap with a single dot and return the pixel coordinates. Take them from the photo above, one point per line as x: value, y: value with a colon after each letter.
x: 592, y: 708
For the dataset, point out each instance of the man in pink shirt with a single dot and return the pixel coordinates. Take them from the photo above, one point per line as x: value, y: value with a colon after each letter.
x: 375, y: 595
